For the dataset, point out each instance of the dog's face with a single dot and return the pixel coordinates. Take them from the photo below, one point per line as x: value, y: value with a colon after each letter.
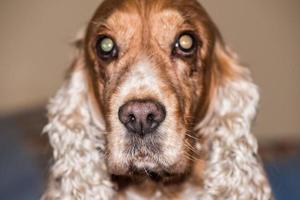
x: 150, y: 62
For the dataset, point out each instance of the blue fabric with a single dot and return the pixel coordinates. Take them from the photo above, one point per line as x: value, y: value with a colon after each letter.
x: 285, y: 178
x: 20, y: 177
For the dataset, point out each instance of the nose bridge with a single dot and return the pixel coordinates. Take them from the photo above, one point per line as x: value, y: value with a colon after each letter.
x: 146, y: 39
x: 143, y: 75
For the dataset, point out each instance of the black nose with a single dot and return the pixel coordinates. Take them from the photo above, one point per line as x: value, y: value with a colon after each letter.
x: 142, y: 116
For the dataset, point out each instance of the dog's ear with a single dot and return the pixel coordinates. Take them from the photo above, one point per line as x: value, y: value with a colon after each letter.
x: 76, y: 133
x: 233, y: 168
x: 230, y: 88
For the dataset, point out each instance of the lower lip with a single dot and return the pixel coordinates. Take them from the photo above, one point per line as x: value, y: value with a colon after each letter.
x: 144, y: 164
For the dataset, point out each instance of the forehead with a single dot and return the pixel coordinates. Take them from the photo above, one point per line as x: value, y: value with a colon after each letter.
x: 165, y: 14
x: 128, y: 16
x: 137, y: 22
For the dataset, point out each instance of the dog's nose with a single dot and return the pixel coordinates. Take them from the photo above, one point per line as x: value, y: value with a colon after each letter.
x: 142, y: 116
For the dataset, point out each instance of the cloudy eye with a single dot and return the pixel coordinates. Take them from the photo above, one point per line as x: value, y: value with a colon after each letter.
x: 106, y: 48
x: 185, y: 44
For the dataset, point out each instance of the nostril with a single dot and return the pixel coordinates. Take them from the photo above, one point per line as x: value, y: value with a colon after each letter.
x: 150, y: 118
x: 152, y: 123
x: 131, y: 118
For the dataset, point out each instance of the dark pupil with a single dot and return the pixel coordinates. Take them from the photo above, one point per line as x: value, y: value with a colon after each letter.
x: 105, y: 47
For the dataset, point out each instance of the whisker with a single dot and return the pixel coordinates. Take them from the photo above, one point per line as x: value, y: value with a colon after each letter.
x: 190, y: 147
x: 191, y: 136
x: 190, y: 157
x: 146, y: 171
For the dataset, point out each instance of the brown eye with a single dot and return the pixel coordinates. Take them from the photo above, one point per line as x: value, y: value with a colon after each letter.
x: 106, y: 48
x: 185, y: 44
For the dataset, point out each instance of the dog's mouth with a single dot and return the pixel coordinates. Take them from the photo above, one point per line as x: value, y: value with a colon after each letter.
x: 154, y: 175
x: 151, y: 167
x: 137, y: 174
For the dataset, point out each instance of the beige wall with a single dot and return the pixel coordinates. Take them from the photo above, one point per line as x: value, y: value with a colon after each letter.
x: 34, y: 52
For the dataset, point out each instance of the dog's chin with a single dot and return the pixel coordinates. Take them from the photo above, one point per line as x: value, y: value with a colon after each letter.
x: 147, y: 169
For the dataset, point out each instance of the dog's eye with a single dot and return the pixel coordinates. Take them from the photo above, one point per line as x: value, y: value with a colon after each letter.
x: 185, y: 44
x: 106, y: 48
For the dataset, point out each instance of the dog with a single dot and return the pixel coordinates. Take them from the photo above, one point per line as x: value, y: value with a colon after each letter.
x: 155, y: 106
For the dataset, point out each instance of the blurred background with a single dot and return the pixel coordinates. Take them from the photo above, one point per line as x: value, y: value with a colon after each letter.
x: 35, y: 52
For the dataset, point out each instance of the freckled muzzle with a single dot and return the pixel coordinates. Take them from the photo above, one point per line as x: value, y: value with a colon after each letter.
x: 142, y: 117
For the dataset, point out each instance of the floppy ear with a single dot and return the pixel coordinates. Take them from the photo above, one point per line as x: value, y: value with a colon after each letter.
x: 233, y: 169
x: 76, y: 134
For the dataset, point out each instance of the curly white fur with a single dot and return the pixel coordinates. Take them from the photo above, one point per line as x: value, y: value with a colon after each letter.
x: 233, y: 170
x: 79, y: 170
